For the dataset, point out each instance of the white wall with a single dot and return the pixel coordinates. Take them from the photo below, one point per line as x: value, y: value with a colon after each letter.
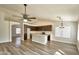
x: 4, y: 29
x: 5, y: 26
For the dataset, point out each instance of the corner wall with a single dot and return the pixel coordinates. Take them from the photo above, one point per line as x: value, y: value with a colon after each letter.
x: 4, y: 29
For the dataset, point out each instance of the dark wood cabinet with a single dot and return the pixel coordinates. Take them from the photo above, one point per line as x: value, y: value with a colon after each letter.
x: 25, y: 36
x: 42, y: 28
x: 38, y: 28
x: 48, y: 37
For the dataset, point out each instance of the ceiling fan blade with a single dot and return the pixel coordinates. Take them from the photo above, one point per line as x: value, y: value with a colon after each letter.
x: 12, y: 19
x: 17, y: 16
x: 31, y: 17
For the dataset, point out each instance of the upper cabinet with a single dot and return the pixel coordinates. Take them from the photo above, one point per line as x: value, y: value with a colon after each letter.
x: 39, y: 28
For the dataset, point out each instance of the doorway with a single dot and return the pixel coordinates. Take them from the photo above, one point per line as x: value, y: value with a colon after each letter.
x: 16, y: 32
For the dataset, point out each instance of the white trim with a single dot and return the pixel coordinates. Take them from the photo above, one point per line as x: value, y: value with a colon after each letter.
x: 10, y: 34
x: 4, y: 41
x: 65, y: 42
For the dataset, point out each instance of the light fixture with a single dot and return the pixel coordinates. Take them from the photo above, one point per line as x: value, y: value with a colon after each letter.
x: 61, y: 24
x: 25, y: 20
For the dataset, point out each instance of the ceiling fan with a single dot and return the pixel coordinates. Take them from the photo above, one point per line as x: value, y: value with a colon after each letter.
x: 24, y: 17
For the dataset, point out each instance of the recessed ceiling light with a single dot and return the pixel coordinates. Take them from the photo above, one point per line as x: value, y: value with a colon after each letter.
x: 25, y: 20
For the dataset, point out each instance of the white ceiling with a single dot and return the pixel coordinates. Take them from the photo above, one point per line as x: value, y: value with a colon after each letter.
x: 68, y: 12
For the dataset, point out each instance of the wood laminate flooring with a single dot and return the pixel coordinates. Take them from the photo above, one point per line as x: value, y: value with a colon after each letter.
x: 32, y: 48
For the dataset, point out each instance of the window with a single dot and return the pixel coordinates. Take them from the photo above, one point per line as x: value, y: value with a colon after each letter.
x: 63, y: 32
x: 18, y: 30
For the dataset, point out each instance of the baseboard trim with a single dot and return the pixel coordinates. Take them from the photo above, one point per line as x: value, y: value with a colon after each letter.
x: 4, y: 41
x: 65, y: 42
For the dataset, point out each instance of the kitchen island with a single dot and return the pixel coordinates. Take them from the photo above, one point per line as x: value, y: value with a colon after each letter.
x: 40, y: 38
